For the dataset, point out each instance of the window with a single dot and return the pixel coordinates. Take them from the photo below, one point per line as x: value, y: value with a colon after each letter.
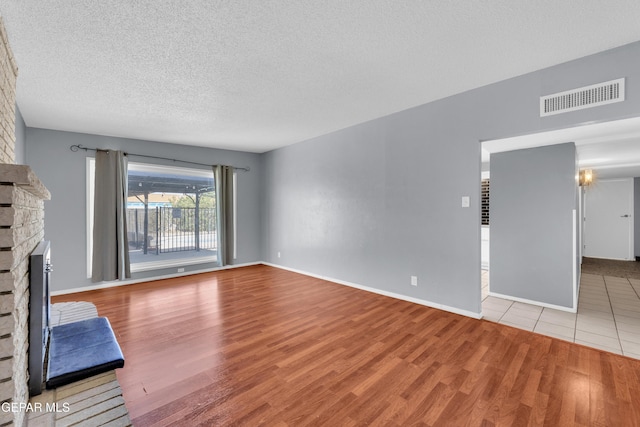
x: 171, y: 216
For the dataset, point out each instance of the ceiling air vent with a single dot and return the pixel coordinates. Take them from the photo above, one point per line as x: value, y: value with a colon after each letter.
x: 583, y: 97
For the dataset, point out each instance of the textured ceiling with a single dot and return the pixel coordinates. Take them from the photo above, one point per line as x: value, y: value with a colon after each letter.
x: 256, y: 75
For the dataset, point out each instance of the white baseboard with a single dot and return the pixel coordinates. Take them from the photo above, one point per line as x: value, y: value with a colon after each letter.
x: 105, y: 285
x: 381, y: 292
x: 426, y: 303
x: 538, y: 303
x: 608, y: 259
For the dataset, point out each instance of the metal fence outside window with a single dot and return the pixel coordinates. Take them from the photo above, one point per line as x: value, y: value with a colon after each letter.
x: 170, y: 229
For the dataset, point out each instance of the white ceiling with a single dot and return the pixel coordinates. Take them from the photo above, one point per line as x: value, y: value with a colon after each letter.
x: 611, y: 149
x: 257, y: 75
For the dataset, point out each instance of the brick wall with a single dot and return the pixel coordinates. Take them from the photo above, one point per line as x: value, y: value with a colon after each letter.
x: 22, y: 198
x: 8, y: 75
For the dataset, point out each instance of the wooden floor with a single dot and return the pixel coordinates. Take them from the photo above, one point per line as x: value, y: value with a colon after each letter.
x: 258, y: 345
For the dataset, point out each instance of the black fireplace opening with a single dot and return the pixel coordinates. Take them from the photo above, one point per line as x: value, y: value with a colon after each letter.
x: 39, y: 314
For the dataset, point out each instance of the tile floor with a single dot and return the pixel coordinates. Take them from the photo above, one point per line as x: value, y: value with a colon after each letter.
x: 608, y: 315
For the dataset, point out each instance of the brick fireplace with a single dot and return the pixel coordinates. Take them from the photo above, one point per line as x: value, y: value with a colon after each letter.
x: 22, y: 198
x: 8, y: 76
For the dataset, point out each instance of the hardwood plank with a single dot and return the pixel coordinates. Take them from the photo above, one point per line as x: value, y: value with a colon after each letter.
x: 263, y: 346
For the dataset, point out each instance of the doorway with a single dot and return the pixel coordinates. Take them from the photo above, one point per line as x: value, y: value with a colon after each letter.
x: 608, y: 220
x: 610, y: 149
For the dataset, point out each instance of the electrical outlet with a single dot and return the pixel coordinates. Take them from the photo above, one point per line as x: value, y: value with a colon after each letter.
x: 278, y: 254
x: 181, y: 270
x: 414, y: 280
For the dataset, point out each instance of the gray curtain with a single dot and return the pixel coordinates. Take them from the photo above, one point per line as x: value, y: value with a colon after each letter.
x: 224, y: 210
x: 110, y: 246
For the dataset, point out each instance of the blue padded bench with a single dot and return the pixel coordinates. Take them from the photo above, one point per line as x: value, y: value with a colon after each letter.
x: 80, y: 350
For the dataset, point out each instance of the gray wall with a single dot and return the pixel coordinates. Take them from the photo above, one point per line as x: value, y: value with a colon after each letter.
x: 21, y: 139
x: 376, y: 203
x: 533, y: 194
x: 636, y: 216
x: 372, y: 204
x: 64, y: 174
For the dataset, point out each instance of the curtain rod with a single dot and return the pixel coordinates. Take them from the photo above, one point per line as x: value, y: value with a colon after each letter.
x: 77, y: 147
